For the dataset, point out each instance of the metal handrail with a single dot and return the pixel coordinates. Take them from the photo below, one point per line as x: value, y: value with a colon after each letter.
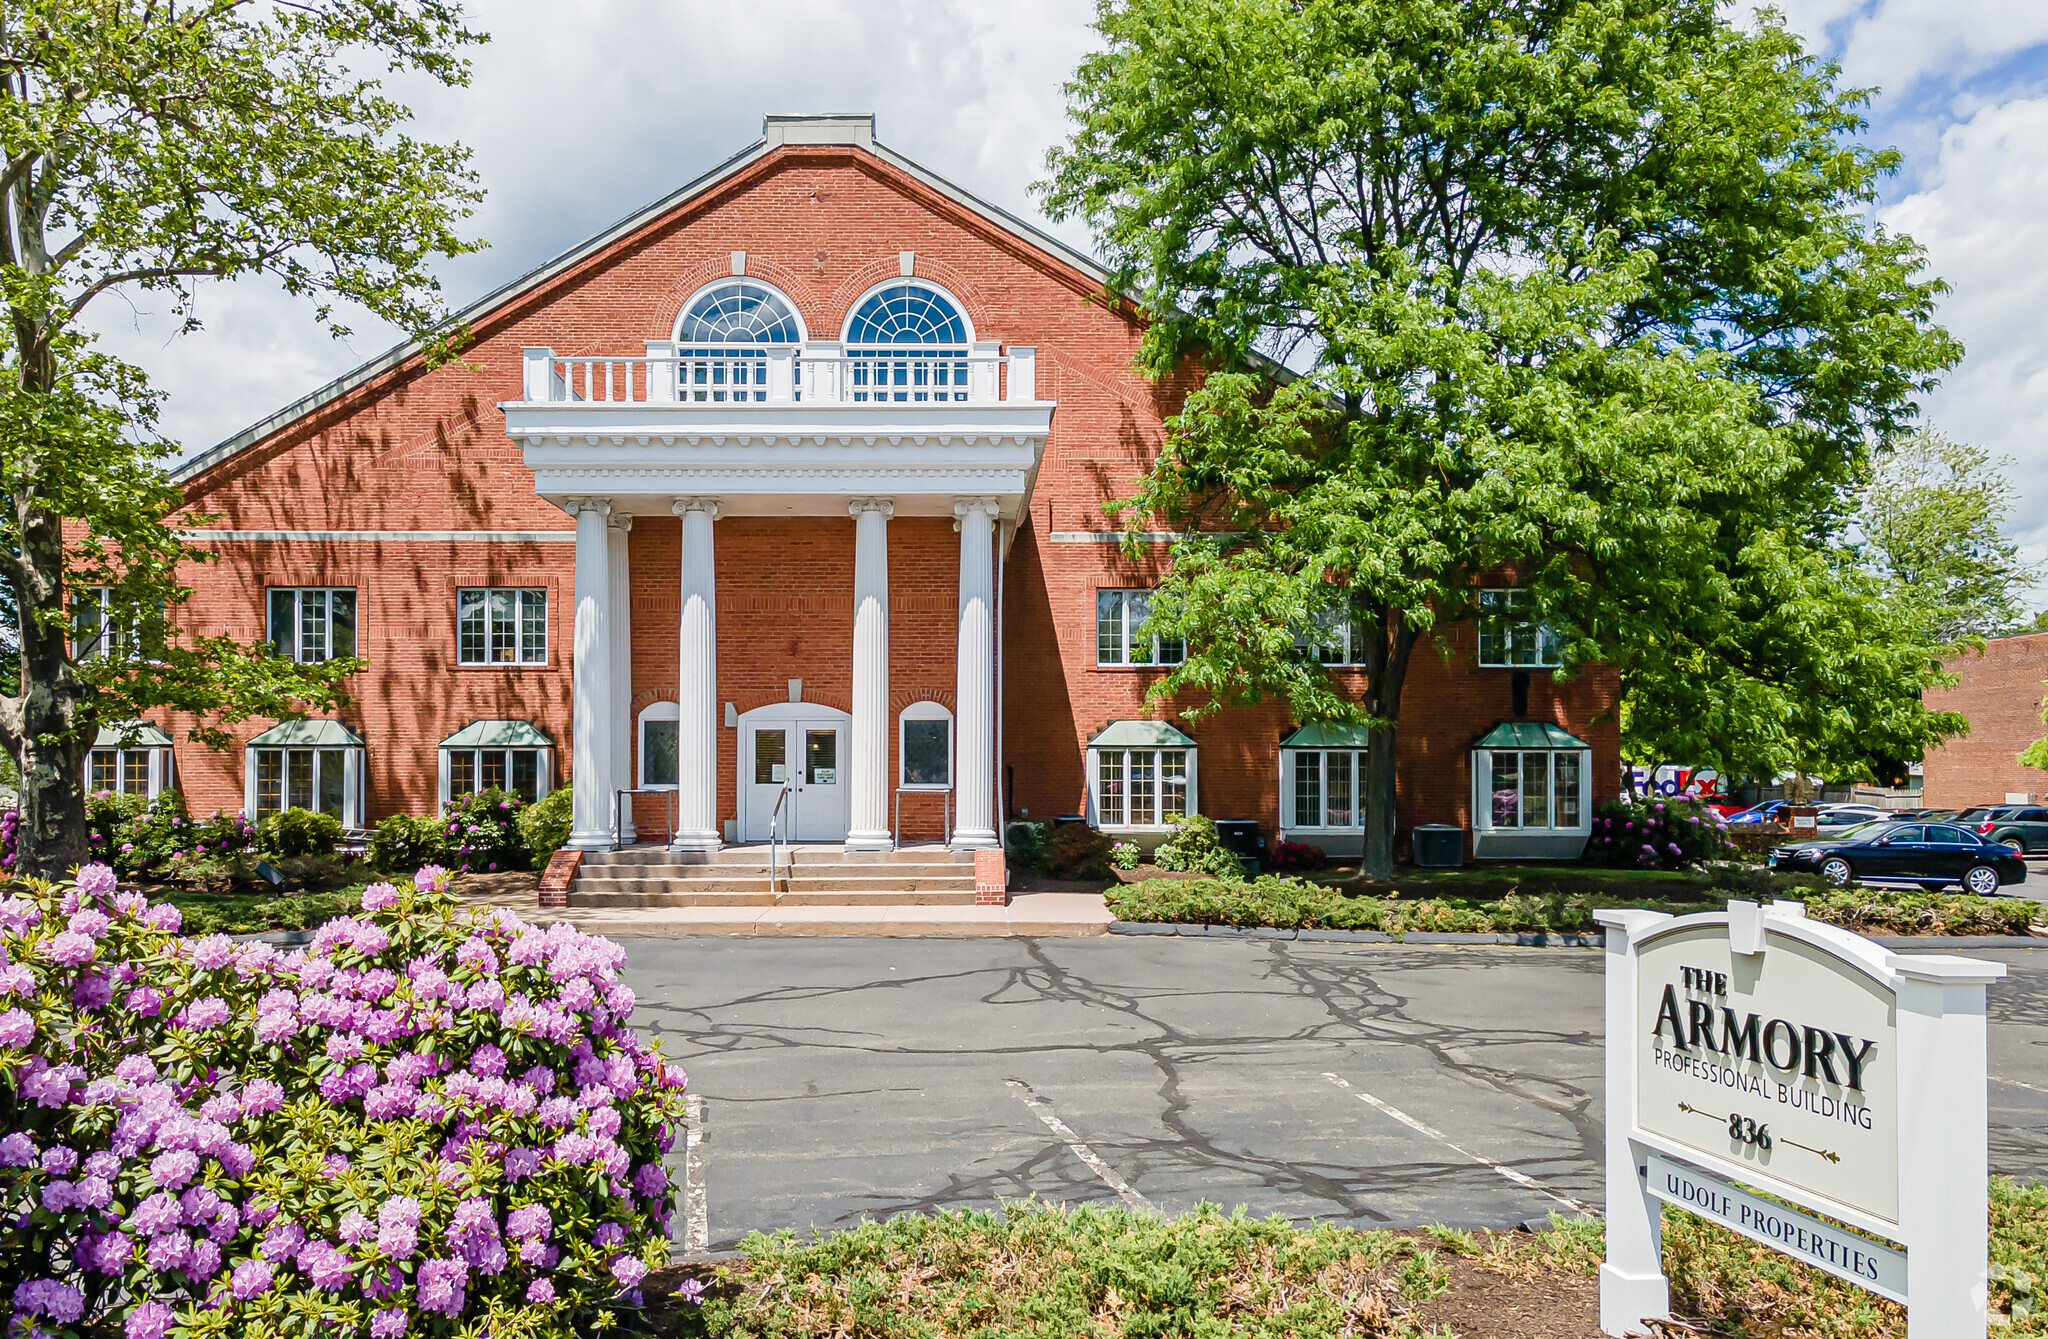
x: 774, y: 821
x: 945, y: 821
x: 669, y: 811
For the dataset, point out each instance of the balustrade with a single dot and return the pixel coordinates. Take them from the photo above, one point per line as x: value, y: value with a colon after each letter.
x: 822, y: 374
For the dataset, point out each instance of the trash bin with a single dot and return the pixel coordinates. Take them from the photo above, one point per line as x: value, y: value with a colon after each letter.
x: 1240, y: 837
x: 1438, y: 845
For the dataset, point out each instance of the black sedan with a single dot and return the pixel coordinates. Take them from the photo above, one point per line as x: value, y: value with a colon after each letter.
x: 1934, y: 854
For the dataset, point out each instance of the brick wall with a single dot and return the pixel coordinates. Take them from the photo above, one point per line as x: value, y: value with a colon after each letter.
x: 425, y: 449
x: 1999, y: 691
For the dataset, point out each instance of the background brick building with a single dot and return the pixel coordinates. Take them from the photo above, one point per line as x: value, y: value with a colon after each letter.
x: 407, y: 484
x: 1999, y: 691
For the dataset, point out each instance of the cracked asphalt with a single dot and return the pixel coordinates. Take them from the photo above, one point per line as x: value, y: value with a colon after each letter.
x: 1362, y: 1084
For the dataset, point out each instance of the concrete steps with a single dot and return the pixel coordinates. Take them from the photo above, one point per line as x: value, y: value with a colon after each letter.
x: 807, y: 876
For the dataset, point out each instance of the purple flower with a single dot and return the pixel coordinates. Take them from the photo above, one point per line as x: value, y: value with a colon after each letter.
x: 356, y: 1227
x: 521, y: 1163
x: 398, y: 1221
x: 173, y: 1169
x: 283, y: 1241
x: 650, y: 1180
x: 529, y: 1221
x: 540, y: 1292
x: 326, y: 1264
x: 375, y: 898
x: 213, y: 953
x: 692, y: 1292
x: 95, y: 879
x: 59, y: 1159
x: 89, y: 922
x: 488, y: 1061
x: 16, y: 979
x: 252, y: 1278
x: 206, y: 1013
x: 441, y: 1284
x: 169, y: 1250
x: 202, y: 1261
x: 388, y: 1324
x: 17, y: 1029
x: 70, y: 948
x: 151, y: 1320
x: 628, y: 1270
x: 47, y: 1297
x: 429, y: 877
x: 95, y: 990
x: 260, y: 1096
x: 163, y: 916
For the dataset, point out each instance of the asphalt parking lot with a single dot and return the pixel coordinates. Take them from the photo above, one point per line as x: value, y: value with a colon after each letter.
x: 1368, y: 1085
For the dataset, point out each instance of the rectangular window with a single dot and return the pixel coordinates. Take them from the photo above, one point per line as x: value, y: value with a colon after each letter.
x: 658, y: 752
x: 1507, y: 790
x: 770, y: 756
x: 1568, y: 802
x: 1308, y: 789
x: 1119, y: 614
x: 1509, y: 637
x: 515, y: 771
x: 927, y: 752
x: 300, y: 779
x: 1337, y: 766
x: 92, y: 632
x: 122, y: 771
x: 501, y: 625
x: 1539, y: 788
x: 310, y: 624
x: 1141, y: 788
x: 1536, y: 790
x: 1324, y: 782
x: 1332, y: 636
x: 105, y: 768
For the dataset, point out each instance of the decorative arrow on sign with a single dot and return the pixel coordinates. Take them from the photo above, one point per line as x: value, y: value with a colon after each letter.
x: 1831, y: 1157
x: 1691, y: 1110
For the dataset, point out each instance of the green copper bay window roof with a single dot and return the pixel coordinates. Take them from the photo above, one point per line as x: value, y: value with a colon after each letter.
x: 307, y: 735
x: 498, y: 735
x: 1140, y: 735
x: 1530, y: 735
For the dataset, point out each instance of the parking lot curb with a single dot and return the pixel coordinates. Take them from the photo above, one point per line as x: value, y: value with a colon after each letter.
x: 1531, y: 940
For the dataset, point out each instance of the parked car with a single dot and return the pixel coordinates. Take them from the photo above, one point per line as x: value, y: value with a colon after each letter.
x: 2023, y: 827
x: 1926, y: 815
x: 1933, y: 854
x: 1849, y: 815
x: 1767, y: 812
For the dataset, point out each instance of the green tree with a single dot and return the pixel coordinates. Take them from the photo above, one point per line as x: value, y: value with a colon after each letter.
x: 1931, y: 519
x: 153, y: 146
x: 1581, y: 295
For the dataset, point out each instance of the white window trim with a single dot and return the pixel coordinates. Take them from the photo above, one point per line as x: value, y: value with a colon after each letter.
x: 654, y: 711
x: 101, y: 645
x: 1482, y: 794
x: 1288, y: 817
x: 1345, y: 626
x: 543, y: 780
x: 298, y: 620
x: 547, y: 638
x: 803, y: 329
x: 351, y: 777
x: 1095, y: 781
x: 899, y: 281
x: 1546, y: 644
x: 925, y: 711
x: 1124, y: 607
x: 159, y: 768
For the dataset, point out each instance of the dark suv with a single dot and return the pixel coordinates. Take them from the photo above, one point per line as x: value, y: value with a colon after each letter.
x: 2023, y: 827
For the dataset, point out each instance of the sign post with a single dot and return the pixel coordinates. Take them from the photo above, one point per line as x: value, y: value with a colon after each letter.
x: 1753, y: 1051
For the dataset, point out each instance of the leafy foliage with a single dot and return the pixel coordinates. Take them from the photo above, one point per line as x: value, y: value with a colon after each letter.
x: 546, y: 822
x: 153, y: 147
x: 1931, y: 517
x: 1294, y: 856
x: 1585, y: 297
x: 431, y: 1117
x: 481, y: 832
x: 1194, y: 847
x: 1657, y: 833
x: 1076, y: 852
x: 298, y: 832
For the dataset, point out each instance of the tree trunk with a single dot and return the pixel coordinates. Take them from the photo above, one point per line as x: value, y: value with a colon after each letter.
x: 52, y: 834
x: 1387, y: 648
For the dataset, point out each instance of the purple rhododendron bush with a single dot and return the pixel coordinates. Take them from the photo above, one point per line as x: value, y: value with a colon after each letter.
x: 431, y: 1120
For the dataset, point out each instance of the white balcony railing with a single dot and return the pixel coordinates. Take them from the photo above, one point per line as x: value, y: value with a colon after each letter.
x: 818, y: 374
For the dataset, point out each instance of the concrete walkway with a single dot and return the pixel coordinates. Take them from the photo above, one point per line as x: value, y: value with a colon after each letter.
x: 1037, y: 915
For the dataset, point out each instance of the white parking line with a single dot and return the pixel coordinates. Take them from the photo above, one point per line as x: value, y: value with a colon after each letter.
x: 2017, y: 1084
x: 696, y: 1205
x: 1510, y: 1173
x: 1043, y: 1110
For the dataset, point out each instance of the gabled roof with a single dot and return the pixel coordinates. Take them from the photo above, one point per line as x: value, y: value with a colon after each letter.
x: 498, y: 735
x: 777, y: 132
x: 1529, y: 735
x: 1140, y: 734
x: 1326, y: 735
x: 307, y: 734
x: 131, y: 735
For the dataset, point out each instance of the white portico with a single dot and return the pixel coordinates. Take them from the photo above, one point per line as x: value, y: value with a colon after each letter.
x: 910, y: 416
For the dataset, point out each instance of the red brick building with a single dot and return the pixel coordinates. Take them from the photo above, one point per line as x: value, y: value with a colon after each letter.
x: 788, y: 490
x: 1999, y: 691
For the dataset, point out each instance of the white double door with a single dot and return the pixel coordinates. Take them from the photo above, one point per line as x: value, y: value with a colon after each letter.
x: 797, y: 759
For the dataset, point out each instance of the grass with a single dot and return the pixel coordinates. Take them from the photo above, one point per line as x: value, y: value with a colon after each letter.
x: 1550, y: 899
x: 255, y: 913
x: 1040, y: 1270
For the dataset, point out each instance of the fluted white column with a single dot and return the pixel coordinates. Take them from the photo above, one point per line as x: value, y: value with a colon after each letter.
x: 591, y: 821
x: 697, y: 689
x: 868, y: 778
x: 619, y: 619
x: 974, y: 693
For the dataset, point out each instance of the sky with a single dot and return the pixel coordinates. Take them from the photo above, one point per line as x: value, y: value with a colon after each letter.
x: 581, y: 111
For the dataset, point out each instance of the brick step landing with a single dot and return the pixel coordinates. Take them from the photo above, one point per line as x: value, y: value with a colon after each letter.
x: 695, y: 894
x: 755, y: 855
x: 652, y: 876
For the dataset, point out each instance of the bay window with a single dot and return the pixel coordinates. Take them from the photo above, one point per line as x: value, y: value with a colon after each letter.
x: 1509, y: 635
x: 316, y: 765
x: 1141, y: 774
x: 511, y: 756
x: 132, y: 758
x: 1531, y: 783
x: 1119, y: 617
x: 501, y: 625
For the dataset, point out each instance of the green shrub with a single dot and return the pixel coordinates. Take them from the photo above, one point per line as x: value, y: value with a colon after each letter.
x: 1126, y: 855
x: 107, y: 816
x: 298, y: 832
x: 1657, y: 834
x: 1076, y: 851
x: 405, y: 842
x: 545, y: 824
x: 481, y: 832
x: 1025, y: 844
x: 1195, y: 848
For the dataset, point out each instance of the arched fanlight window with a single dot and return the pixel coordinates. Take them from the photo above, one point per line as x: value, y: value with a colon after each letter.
x: 723, y: 338
x: 908, y: 341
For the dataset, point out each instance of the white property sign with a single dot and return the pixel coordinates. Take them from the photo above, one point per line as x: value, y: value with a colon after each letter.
x: 1755, y: 1050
